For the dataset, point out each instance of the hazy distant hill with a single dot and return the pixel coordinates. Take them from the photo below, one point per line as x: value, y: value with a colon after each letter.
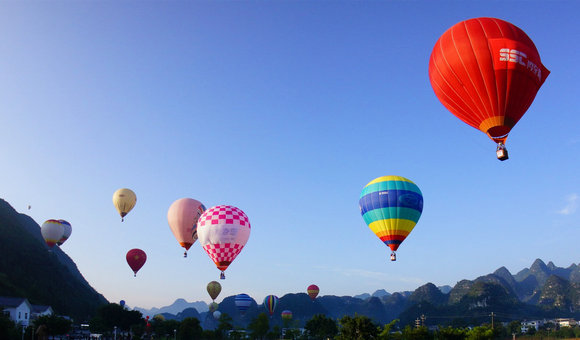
x: 28, y: 269
x: 175, y: 308
x: 468, y: 302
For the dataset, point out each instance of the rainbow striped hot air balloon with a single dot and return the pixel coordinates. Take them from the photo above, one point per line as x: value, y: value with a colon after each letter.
x: 270, y: 303
x: 391, y: 206
x: 312, y: 291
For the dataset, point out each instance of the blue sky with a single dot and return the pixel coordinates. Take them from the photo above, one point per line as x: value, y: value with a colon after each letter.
x: 285, y: 110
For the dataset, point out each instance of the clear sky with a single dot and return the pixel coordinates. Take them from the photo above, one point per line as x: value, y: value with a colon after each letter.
x: 285, y: 109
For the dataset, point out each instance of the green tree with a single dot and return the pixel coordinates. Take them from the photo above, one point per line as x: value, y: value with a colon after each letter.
x: 515, y: 327
x: 385, y: 333
x: 8, y: 329
x: 451, y: 333
x: 321, y: 327
x: 225, y: 324
x: 55, y: 325
x: 259, y: 326
x: 189, y: 328
x: 480, y: 333
x: 357, y: 328
x: 112, y: 315
x: 413, y: 333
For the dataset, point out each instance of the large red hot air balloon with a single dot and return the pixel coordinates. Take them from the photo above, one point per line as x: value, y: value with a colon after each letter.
x: 136, y: 259
x: 487, y: 72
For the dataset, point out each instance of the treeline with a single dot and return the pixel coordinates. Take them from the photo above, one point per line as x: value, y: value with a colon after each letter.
x: 114, y: 321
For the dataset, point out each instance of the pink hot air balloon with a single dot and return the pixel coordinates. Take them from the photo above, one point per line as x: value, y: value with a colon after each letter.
x: 223, y: 232
x: 182, y: 217
x: 136, y: 259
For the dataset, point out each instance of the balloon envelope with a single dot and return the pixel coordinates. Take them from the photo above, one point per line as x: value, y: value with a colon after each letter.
x: 270, y: 303
x: 52, y: 231
x: 223, y: 232
x: 124, y: 200
x: 217, y: 314
x: 243, y: 302
x: 136, y: 259
x: 182, y: 217
x: 487, y: 72
x: 287, y: 315
x: 391, y: 206
x: 313, y: 291
x: 214, y: 288
x: 67, y: 232
x: 122, y: 303
x: 213, y: 307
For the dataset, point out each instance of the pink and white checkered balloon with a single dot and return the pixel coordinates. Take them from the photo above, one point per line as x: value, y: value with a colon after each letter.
x: 223, y: 231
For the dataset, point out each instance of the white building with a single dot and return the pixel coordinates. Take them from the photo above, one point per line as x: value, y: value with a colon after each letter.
x: 21, y: 311
x: 17, y: 308
x: 565, y: 322
x: 536, y: 324
x: 40, y: 310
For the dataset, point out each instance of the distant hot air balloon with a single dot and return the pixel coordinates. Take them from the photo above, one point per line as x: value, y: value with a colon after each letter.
x: 487, y: 72
x: 124, y: 200
x: 391, y: 206
x: 136, y: 259
x: 270, y: 303
x: 182, y: 217
x: 313, y: 291
x: 214, y: 288
x: 286, y: 315
x: 243, y: 302
x: 66, y: 233
x: 213, y: 307
x: 52, y: 231
x: 122, y: 303
x: 223, y: 231
x: 217, y: 314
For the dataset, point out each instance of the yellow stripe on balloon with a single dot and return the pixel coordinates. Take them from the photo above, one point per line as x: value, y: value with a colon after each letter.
x: 391, y: 225
x: 388, y: 178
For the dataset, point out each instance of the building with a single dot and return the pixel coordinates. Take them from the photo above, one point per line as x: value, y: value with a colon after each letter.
x: 21, y: 311
x: 565, y: 322
x: 536, y: 324
x: 17, y: 308
x: 40, y: 310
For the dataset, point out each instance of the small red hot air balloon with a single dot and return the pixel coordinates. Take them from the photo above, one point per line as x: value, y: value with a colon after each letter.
x: 136, y: 259
x: 313, y: 291
x: 487, y: 72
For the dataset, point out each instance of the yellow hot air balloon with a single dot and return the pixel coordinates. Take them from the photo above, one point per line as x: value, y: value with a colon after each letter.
x: 214, y: 288
x: 124, y: 200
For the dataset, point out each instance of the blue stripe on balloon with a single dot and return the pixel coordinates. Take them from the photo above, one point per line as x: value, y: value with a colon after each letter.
x: 391, y: 198
x: 390, y: 185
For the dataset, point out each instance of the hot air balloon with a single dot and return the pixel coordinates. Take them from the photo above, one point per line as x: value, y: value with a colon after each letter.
x: 182, y: 217
x: 243, y: 302
x: 122, y: 303
x: 391, y: 206
x: 124, y: 200
x: 286, y: 315
x: 52, y: 231
x: 214, y: 288
x: 213, y: 307
x: 66, y: 233
x: 223, y: 231
x: 217, y: 314
x: 313, y: 291
x: 487, y: 72
x: 136, y: 259
x: 270, y: 303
